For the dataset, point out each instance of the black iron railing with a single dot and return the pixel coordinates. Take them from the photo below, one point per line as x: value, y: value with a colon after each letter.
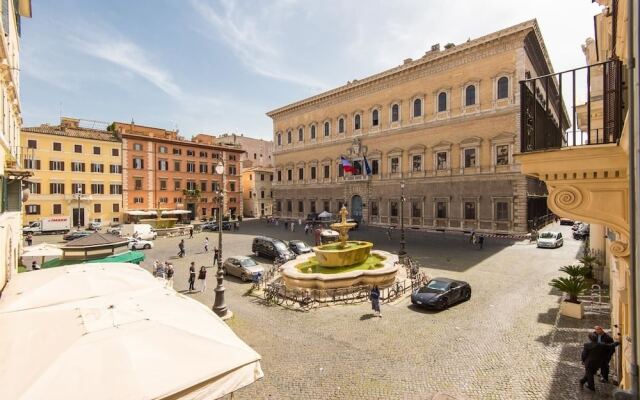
x: 582, y: 106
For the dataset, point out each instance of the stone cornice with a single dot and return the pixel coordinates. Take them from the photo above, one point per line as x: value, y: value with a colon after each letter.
x: 407, y: 129
x: 485, y: 46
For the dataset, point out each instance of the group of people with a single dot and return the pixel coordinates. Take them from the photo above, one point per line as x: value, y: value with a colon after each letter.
x: 596, y: 355
x: 164, y: 271
x: 201, y: 276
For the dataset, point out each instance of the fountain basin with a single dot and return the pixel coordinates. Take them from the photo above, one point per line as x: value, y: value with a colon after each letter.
x: 335, y: 255
x: 379, y: 268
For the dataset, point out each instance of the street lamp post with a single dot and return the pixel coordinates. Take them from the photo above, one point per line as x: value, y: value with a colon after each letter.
x: 219, y: 305
x: 79, y: 193
x: 402, y: 253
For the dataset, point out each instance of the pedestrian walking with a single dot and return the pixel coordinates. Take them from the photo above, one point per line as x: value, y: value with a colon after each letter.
x: 593, y: 356
x: 286, y: 225
x: 374, y: 295
x: 191, y: 233
x: 389, y: 232
x: 182, y: 252
x: 480, y: 242
x: 317, y: 234
x: 29, y: 239
x: 216, y: 253
x: 170, y: 273
x: 192, y: 276
x: 603, y: 337
x: 306, y: 229
x: 472, y: 237
x: 202, y: 277
x: 206, y: 245
x: 236, y: 225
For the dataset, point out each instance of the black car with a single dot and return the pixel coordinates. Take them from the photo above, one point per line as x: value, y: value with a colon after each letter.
x: 271, y: 248
x: 299, y: 247
x: 213, y: 226
x: 440, y: 293
x: 582, y: 232
x: 76, y: 235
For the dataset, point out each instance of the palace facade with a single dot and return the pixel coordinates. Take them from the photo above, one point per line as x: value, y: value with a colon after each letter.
x: 441, y: 130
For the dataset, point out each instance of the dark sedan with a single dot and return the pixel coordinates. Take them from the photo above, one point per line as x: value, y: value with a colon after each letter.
x: 213, y: 226
x: 76, y: 235
x: 440, y: 293
x: 299, y: 247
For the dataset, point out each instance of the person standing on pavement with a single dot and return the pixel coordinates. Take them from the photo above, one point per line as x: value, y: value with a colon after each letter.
x: 374, y: 295
x: 216, y: 252
x: 192, y: 277
x: 593, y: 356
x: 191, y: 232
x: 181, y: 253
x: 603, y: 337
x: 389, y: 232
x: 202, y: 277
x: 480, y: 242
x: 206, y: 245
x: 29, y: 239
x: 170, y: 273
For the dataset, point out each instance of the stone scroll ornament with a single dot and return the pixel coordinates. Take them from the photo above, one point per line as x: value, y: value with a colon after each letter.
x: 619, y: 249
x: 567, y: 198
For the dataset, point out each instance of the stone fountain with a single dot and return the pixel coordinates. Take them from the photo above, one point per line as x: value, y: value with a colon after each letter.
x: 342, y: 264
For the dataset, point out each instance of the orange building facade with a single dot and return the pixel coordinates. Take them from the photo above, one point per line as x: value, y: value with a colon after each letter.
x: 162, y: 170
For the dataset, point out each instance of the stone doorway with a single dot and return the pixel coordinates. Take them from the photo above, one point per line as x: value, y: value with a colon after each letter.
x: 356, y: 208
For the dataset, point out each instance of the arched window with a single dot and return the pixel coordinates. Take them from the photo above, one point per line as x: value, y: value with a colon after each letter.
x: 326, y: 128
x: 289, y: 137
x: 503, y: 87
x: 442, y: 102
x: 341, y: 125
x: 374, y: 118
x: 395, y: 113
x: 279, y: 139
x: 417, y: 108
x: 313, y: 131
x: 356, y: 122
x: 300, y: 134
x: 470, y: 95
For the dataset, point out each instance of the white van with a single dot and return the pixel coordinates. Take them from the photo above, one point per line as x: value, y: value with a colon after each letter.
x: 141, y: 231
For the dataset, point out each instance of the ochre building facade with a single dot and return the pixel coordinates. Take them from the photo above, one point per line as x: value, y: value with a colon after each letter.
x: 446, y: 125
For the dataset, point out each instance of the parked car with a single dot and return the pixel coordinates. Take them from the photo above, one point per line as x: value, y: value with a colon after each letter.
x: 115, y: 229
x: 242, y: 267
x: 271, y: 248
x: 441, y: 293
x: 299, y: 247
x: 141, y: 231
x: 213, y: 226
x: 566, y: 221
x: 582, y: 232
x: 94, y: 226
x: 76, y: 235
x: 139, y: 244
x: 550, y: 240
x: 577, y: 225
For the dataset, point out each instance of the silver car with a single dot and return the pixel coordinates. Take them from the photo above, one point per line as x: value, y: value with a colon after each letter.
x: 243, y: 267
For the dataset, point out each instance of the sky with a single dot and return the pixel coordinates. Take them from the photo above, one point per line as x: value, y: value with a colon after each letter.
x: 217, y: 66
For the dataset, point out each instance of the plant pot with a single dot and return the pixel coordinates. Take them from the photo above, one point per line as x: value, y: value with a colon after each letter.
x: 573, y: 310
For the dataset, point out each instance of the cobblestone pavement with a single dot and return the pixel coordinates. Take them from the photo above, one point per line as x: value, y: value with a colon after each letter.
x: 508, y: 342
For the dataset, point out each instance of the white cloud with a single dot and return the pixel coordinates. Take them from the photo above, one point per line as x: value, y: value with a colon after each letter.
x: 254, y: 35
x: 122, y: 52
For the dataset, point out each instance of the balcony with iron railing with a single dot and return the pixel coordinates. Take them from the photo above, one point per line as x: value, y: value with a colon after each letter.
x: 578, y: 107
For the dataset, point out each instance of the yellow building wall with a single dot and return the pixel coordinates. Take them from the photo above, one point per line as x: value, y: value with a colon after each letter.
x: 68, y: 201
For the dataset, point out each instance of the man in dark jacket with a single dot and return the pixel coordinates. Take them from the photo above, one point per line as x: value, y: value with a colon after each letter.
x: 603, y: 337
x: 594, y: 355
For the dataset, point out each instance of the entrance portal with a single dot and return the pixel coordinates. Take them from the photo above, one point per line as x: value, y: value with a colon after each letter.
x: 356, y: 208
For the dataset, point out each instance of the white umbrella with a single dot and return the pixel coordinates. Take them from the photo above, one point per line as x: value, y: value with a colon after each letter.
x: 324, y: 214
x: 73, y: 282
x: 155, y: 344
x: 176, y: 212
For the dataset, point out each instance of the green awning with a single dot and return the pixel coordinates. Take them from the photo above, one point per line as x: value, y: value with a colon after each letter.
x: 135, y: 257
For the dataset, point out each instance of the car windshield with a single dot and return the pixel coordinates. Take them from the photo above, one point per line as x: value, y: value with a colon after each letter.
x: 547, y: 235
x: 280, y: 245
x: 437, y: 285
x: 248, y: 262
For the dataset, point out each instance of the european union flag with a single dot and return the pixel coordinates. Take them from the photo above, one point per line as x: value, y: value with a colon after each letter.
x: 367, y: 168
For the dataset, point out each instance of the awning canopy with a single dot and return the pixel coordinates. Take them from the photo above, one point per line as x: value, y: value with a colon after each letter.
x: 42, y: 250
x: 154, y: 342
x: 175, y: 212
x: 135, y: 257
x: 138, y: 213
x: 324, y: 214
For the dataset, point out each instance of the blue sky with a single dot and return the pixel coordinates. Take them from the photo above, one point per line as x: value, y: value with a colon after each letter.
x: 217, y: 66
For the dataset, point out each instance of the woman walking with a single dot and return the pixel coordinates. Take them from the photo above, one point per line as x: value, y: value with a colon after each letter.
x: 375, y: 300
x: 192, y: 277
x: 202, y: 277
x: 170, y: 273
x: 206, y: 245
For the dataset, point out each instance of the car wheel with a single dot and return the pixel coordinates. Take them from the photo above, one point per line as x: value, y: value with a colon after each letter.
x: 147, y: 246
x: 443, y: 304
x: 467, y: 295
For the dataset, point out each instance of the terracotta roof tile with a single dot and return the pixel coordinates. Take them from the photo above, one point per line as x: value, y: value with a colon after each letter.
x: 84, y: 133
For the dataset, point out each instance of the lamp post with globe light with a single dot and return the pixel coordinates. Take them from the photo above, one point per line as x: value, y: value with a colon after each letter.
x: 219, y: 305
x: 402, y: 253
x: 79, y: 194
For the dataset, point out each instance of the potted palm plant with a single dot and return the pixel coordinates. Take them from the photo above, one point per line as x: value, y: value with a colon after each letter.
x: 589, y: 261
x: 573, y: 286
